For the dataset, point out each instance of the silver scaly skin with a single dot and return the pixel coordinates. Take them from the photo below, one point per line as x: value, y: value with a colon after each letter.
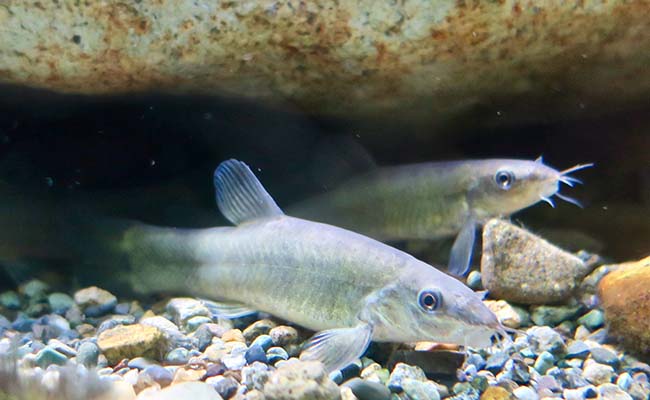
x: 350, y: 288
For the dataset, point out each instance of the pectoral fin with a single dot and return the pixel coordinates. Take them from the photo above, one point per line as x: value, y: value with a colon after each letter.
x: 336, y: 348
x: 227, y: 310
x: 461, y: 251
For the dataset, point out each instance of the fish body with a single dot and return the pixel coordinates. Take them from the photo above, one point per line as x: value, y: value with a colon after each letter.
x: 435, y: 200
x: 350, y: 288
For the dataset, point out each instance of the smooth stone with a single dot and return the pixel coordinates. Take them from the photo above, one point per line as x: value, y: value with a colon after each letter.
x: 594, y: 319
x: 553, y: 315
x: 544, y: 362
x: 255, y: 375
x: 587, y: 392
x: 225, y: 386
x: 505, y: 313
x: 624, y: 381
x: 496, y: 361
x: 300, y: 380
x: 480, y: 383
x: 183, y: 308
x: 275, y: 354
x: 128, y: 341
x: 204, y: 336
x: 264, y: 341
x: 48, y: 356
x: 255, y: 353
x: 171, y: 331
x: 400, y: 373
x: 234, y: 362
x: 257, y: 328
x: 469, y: 394
x: 10, y: 300
x: 516, y: 370
x: 95, y: 302
x: 548, y: 382
x: 195, y: 322
x: 544, y: 338
x: 609, y: 391
x: 233, y: 335
x: 477, y: 360
x: 367, y: 390
x: 183, y: 390
x: 510, y: 254
x: 577, y: 349
x: 60, y: 303
x: 140, y: 363
x: 117, y: 390
x: 178, y: 356
x: 443, y: 363
x: 624, y: 296
x: 122, y: 308
x: 605, y: 356
x: 496, y: 393
x: 420, y: 390
x: 22, y: 324
x: 525, y: 393
x: 474, y: 280
x: 598, y: 374
x: 284, y: 335
x: 34, y: 289
x: 159, y: 374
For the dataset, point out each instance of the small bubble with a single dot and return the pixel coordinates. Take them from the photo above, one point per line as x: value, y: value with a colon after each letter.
x: 152, y: 162
x: 499, y: 113
x: 49, y: 181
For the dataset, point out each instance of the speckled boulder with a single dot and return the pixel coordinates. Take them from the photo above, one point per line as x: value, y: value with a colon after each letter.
x: 300, y: 380
x: 387, y: 59
x: 132, y: 341
x: 521, y: 267
x: 625, y: 296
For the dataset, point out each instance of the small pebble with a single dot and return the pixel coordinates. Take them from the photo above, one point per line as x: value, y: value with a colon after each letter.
x: 34, y: 289
x: 225, y: 386
x: 47, y: 356
x: 403, y: 371
x: 95, y: 302
x: 233, y: 335
x: 420, y: 390
x: 255, y: 353
x: 594, y: 319
x: 474, y: 280
x: 60, y: 303
x: 544, y: 361
x: 264, y: 341
x: 184, y: 308
x: 525, y: 393
x: 624, y: 381
x: 598, y: 373
x: 577, y: 349
x: 283, y: 335
x: 194, y: 323
x: 178, y: 356
x: 496, y: 361
x: 604, y: 356
x: 609, y: 391
x: 257, y: 328
x: 366, y: 390
x: 10, y: 300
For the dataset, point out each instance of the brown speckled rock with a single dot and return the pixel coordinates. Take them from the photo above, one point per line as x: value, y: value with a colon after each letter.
x: 625, y: 297
x: 132, y: 341
x: 521, y: 267
x: 424, y: 58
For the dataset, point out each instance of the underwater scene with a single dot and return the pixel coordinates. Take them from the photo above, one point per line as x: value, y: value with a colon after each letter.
x: 354, y: 200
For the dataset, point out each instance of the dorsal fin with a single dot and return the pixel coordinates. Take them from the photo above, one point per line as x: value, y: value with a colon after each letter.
x: 240, y: 195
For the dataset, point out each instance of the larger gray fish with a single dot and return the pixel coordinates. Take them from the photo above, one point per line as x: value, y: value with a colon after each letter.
x: 437, y: 199
x: 348, y: 287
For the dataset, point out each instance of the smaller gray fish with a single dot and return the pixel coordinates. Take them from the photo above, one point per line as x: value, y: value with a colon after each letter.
x: 438, y: 199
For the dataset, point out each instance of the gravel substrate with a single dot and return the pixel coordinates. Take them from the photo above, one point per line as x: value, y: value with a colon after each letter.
x: 92, y: 345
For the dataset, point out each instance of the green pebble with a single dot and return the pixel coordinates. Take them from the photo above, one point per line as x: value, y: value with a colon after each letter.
x: 193, y: 323
x: 594, y: 319
x: 420, y: 390
x: 35, y: 289
x: 48, y: 356
x: 480, y: 383
x: 60, y: 302
x: 544, y: 362
x: 10, y: 300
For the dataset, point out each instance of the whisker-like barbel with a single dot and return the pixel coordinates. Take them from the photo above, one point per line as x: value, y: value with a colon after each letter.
x: 569, y: 200
x: 547, y: 200
x: 569, y: 180
x: 576, y: 168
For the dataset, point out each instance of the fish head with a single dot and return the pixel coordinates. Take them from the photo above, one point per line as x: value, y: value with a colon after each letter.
x: 502, y: 187
x: 425, y: 304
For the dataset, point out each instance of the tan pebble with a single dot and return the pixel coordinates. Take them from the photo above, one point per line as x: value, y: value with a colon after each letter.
x: 346, y: 394
x: 148, y: 314
x: 129, y: 341
x: 118, y: 390
x: 215, y: 352
x: 188, y: 375
x: 233, y: 335
x: 504, y: 312
x: 283, y: 335
x: 496, y: 393
x: 145, y: 381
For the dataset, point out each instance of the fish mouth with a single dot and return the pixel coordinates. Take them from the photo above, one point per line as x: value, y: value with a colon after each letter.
x: 564, y: 177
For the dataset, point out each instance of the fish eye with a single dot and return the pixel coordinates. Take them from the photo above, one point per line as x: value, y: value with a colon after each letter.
x: 430, y: 300
x: 504, y: 179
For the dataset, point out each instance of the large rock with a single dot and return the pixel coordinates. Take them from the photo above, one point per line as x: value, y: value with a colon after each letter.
x: 521, y: 267
x: 424, y: 58
x: 299, y: 380
x: 625, y: 296
x: 132, y: 341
